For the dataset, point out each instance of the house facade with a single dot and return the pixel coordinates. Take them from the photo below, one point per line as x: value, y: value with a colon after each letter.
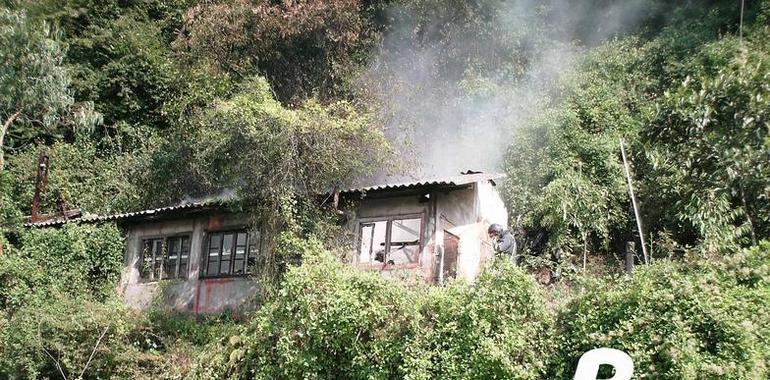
x: 431, y: 230
x: 196, y: 257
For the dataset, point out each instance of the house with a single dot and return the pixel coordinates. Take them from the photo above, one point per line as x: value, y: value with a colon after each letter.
x: 431, y: 229
x: 196, y: 257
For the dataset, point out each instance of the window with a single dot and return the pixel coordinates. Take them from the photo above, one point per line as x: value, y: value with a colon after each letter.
x: 178, y: 257
x: 165, y: 257
x: 230, y: 253
x: 394, y: 240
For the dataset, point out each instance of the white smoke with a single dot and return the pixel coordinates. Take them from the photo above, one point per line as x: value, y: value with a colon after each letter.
x: 442, y: 122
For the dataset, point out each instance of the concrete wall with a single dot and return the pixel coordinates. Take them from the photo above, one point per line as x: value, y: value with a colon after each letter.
x: 491, y: 206
x: 456, y: 210
x: 373, y: 208
x: 465, y: 212
x: 193, y: 293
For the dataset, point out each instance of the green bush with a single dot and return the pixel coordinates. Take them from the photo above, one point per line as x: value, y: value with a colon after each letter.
x: 334, y: 321
x: 698, y: 319
x: 76, y: 257
x: 497, y: 329
x: 74, y: 260
x: 328, y: 321
x: 57, y: 295
x: 55, y: 335
x: 704, y: 320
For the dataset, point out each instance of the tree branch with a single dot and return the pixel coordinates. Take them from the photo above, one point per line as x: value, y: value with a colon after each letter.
x: 6, y: 125
x: 56, y: 363
x: 99, y: 341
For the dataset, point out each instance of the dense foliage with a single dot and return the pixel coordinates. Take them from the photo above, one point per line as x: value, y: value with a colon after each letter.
x: 57, y: 293
x: 148, y: 102
x: 705, y: 320
x: 333, y: 321
x: 692, y: 107
x: 676, y: 320
x: 61, y: 315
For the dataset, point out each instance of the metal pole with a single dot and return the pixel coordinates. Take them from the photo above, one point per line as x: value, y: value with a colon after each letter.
x: 633, y: 200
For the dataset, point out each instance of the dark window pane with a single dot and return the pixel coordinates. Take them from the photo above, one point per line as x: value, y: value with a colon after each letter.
x: 215, y: 245
x: 214, y: 242
x: 240, y: 252
x: 238, y: 266
x: 241, y: 239
x: 227, y: 246
x: 227, y: 253
x: 213, y: 268
x: 157, y: 265
x: 172, y: 257
x: 184, y: 257
x: 239, y: 261
x: 224, y: 267
x: 145, y: 264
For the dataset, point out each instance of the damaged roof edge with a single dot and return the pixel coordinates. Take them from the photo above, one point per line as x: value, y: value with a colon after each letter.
x: 458, y: 180
x: 91, y: 218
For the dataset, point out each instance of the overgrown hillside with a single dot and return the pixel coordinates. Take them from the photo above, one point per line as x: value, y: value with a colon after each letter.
x: 146, y: 103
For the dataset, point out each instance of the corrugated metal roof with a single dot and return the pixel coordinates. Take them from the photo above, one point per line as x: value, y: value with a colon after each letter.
x: 458, y: 180
x: 93, y: 218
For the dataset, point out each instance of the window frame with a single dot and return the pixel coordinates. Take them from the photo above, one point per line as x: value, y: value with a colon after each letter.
x: 205, y: 254
x: 164, y: 257
x: 178, y: 266
x: 388, y: 237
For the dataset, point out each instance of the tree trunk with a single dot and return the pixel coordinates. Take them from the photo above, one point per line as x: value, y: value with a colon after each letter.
x: 585, y: 250
x: 3, y: 131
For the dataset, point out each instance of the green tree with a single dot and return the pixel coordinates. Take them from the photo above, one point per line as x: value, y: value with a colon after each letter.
x: 303, y: 48
x: 252, y: 144
x: 119, y: 55
x: 707, y: 144
x: 33, y: 80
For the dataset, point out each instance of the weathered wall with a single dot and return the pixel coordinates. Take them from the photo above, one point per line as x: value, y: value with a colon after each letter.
x: 376, y: 207
x: 465, y: 212
x: 192, y: 294
x: 491, y: 206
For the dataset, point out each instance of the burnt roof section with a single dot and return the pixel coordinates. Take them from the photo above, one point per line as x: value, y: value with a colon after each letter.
x: 451, y: 181
x: 155, y: 212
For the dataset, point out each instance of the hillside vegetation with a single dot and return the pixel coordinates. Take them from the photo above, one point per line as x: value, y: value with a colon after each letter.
x: 145, y: 103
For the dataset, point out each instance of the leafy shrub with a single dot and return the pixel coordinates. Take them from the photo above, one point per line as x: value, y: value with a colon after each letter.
x: 334, y: 321
x: 677, y: 321
x: 329, y: 321
x: 57, y: 296
x: 76, y: 257
x: 55, y: 336
x: 497, y: 329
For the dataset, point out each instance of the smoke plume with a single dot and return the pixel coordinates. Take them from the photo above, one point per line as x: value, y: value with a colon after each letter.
x: 455, y: 79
